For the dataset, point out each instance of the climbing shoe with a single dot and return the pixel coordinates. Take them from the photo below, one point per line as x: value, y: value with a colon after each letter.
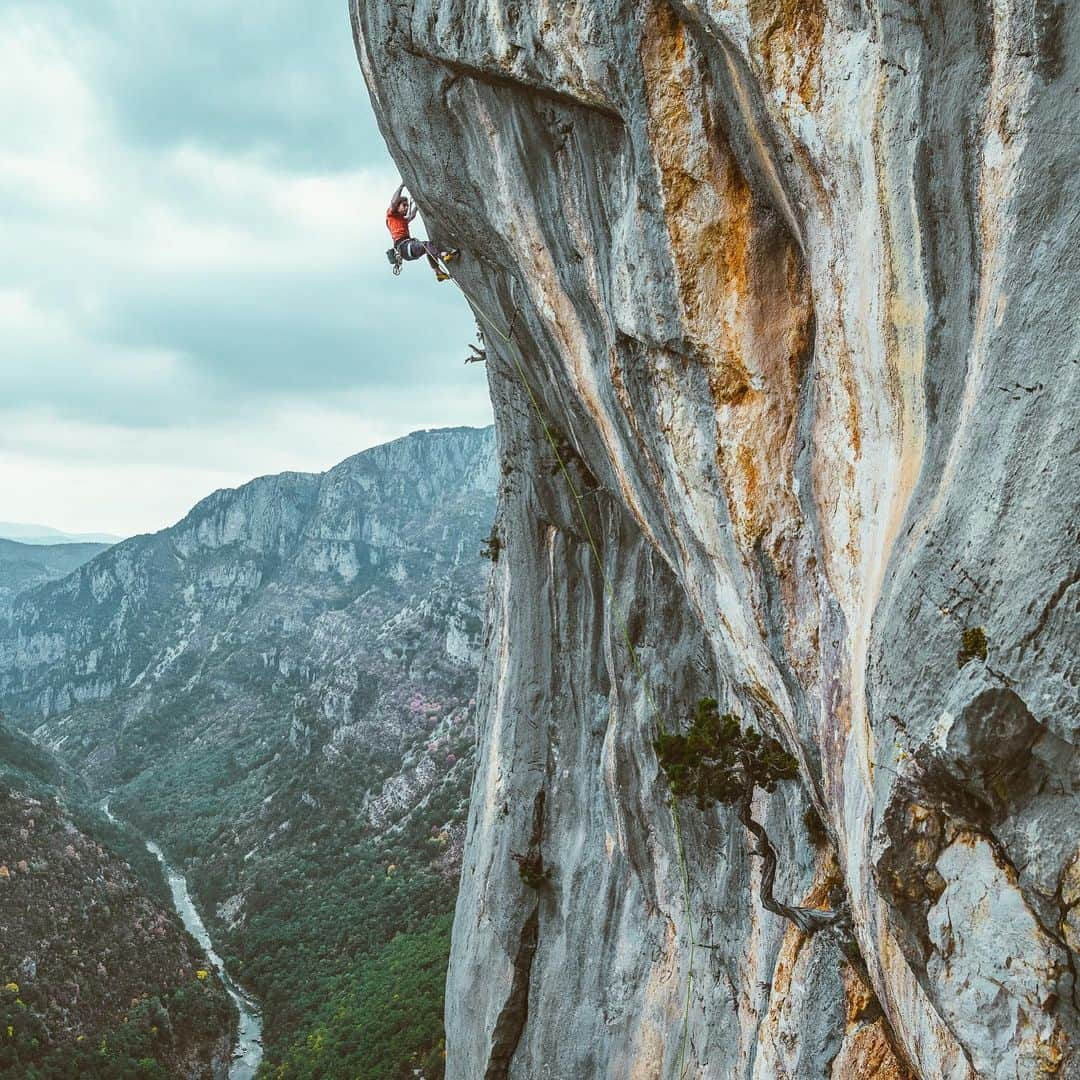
x: 440, y: 276
x: 452, y: 253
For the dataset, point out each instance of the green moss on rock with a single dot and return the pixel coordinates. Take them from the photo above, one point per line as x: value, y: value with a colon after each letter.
x: 972, y: 645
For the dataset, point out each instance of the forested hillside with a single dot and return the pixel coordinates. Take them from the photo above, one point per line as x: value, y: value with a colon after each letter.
x: 280, y: 691
x: 98, y: 978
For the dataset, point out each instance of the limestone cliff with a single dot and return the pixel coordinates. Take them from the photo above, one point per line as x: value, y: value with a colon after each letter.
x: 795, y: 284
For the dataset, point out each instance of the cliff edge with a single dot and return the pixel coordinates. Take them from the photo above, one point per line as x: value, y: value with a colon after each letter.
x: 794, y: 288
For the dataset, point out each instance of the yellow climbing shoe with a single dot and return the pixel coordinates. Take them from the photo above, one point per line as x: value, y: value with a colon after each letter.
x: 440, y: 276
x: 453, y: 253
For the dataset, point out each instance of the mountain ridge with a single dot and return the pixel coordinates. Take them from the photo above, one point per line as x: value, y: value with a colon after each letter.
x: 269, y: 518
x: 46, y: 534
x: 24, y: 566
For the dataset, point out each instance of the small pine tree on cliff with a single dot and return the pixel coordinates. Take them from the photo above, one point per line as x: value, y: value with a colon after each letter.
x: 720, y: 761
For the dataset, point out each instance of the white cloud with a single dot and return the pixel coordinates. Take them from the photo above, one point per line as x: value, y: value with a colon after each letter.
x: 51, y: 121
x: 83, y: 477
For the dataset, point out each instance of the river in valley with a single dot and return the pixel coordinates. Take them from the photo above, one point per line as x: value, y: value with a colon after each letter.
x: 247, y: 1053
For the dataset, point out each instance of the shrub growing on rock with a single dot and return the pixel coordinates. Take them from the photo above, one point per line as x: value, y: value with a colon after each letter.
x: 531, y: 870
x: 493, y: 545
x: 973, y: 646
x: 718, y: 761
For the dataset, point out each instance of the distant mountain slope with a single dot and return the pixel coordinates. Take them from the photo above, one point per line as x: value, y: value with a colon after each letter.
x: 45, y: 534
x: 236, y: 587
x: 22, y: 565
x: 280, y: 690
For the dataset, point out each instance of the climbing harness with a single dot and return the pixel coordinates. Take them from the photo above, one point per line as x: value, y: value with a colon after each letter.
x: 396, y: 257
x: 635, y: 660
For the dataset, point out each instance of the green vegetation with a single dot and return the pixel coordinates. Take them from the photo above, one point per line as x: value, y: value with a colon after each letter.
x: 27, y: 767
x: 23, y: 762
x: 972, y: 646
x: 717, y: 761
x: 345, y: 938
x: 92, y: 984
x: 321, y: 902
x: 493, y: 545
x: 382, y: 1021
x: 531, y: 870
x: 141, y: 1048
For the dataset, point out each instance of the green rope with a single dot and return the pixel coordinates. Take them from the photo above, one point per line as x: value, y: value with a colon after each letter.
x: 624, y: 628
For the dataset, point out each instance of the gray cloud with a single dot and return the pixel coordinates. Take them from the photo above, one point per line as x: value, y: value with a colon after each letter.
x: 191, y: 239
x: 277, y: 77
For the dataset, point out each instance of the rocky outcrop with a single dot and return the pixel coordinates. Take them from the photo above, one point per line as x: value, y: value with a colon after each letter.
x: 259, y: 587
x: 794, y: 286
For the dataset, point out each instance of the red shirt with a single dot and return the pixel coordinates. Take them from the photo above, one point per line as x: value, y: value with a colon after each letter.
x: 398, y: 226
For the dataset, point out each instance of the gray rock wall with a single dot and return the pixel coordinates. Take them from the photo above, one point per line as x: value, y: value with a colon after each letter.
x: 795, y: 286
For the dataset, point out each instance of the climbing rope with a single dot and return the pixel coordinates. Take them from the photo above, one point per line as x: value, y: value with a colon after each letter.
x: 609, y: 589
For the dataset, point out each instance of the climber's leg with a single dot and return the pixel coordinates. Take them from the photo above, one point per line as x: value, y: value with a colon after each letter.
x: 412, y: 249
x: 434, y: 254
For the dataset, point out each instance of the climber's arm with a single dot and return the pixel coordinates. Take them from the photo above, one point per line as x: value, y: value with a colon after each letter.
x: 397, y: 195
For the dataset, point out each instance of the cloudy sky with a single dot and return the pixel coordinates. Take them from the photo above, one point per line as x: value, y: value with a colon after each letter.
x: 193, y: 289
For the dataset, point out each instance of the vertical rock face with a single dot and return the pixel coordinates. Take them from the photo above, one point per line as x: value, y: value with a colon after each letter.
x: 794, y: 287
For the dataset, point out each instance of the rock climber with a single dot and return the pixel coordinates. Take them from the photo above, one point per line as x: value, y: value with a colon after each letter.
x: 406, y: 247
